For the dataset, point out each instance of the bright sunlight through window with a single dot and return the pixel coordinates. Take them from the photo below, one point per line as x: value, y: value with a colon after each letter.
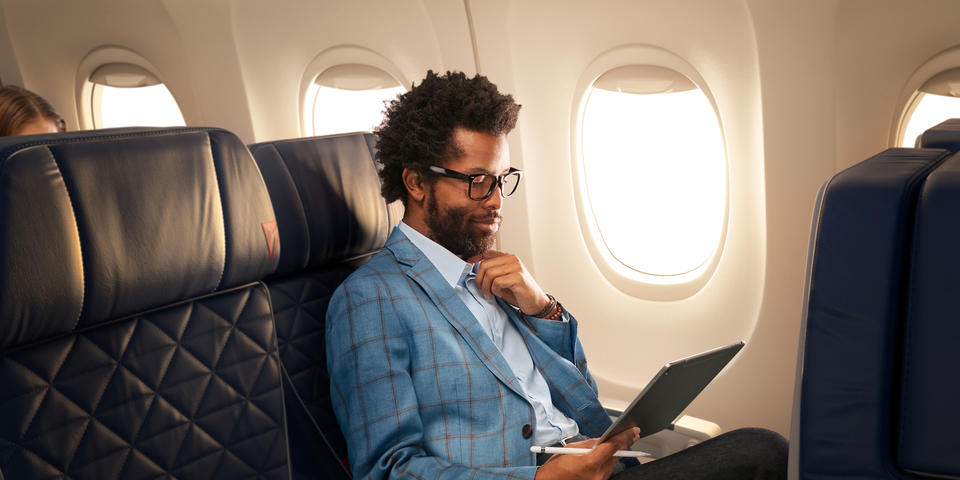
x: 655, y: 170
x: 340, y: 111
x: 931, y: 110
x: 151, y: 106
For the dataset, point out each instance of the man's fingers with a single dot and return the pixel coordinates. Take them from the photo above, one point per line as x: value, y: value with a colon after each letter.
x: 489, y: 263
x: 500, y: 285
x: 599, y: 463
x: 503, y: 276
x: 620, y: 441
x: 588, y: 443
x: 487, y: 274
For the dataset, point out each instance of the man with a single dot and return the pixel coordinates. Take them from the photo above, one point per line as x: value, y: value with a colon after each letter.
x: 446, y: 358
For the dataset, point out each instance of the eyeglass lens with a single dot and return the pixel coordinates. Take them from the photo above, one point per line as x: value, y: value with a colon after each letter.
x: 483, y: 185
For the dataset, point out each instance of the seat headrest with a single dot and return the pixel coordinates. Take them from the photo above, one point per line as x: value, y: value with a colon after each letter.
x: 326, y: 192
x: 945, y: 135
x: 98, y: 225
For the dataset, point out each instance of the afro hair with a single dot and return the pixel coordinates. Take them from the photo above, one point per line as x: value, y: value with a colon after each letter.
x: 418, y: 127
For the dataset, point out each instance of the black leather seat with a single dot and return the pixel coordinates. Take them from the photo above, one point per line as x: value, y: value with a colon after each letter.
x: 331, y: 218
x: 136, y: 338
x: 877, y: 391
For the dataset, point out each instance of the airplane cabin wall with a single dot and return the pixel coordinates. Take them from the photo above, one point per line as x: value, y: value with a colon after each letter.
x: 802, y: 89
x: 237, y: 65
x: 190, y: 44
x: 794, y: 48
x: 278, y: 44
x: 880, y: 45
x: 9, y: 70
x: 548, y: 48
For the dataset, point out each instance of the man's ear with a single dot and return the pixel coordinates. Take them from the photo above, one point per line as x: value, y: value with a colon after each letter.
x: 416, y: 187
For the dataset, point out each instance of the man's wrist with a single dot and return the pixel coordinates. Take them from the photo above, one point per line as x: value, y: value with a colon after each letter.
x: 552, y: 310
x: 548, y: 308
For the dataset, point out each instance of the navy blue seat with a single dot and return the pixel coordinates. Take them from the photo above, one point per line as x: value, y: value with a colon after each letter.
x: 945, y: 135
x: 331, y: 218
x: 136, y: 340
x: 882, y: 344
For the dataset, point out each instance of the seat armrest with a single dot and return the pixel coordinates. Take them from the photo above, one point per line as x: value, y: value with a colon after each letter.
x: 696, y: 428
x: 687, y: 431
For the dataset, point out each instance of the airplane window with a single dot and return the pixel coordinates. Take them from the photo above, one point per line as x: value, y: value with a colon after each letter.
x: 938, y: 99
x: 654, y: 164
x: 350, y: 98
x: 930, y: 110
x: 126, y: 95
x: 151, y: 106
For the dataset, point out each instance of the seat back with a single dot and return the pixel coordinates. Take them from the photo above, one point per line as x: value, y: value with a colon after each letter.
x: 136, y: 340
x: 881, y: 341
x: 331, y: 217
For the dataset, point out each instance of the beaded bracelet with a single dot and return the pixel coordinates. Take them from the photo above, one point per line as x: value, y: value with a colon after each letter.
x: 556, y: 313
x: 547, y: 310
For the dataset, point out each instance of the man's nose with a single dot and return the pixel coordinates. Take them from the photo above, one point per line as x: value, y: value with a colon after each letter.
x: 495, y: 200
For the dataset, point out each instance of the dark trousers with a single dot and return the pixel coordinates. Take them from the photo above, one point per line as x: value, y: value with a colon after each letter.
x: 744, y: 454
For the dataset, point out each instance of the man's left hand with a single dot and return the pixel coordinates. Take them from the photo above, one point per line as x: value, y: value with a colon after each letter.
x: 503, y: 274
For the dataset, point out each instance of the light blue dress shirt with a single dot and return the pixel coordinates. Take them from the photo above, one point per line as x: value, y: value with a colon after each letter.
x: 552, y: 424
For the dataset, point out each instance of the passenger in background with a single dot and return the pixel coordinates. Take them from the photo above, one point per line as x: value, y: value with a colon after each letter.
x: 446, y: 358
x: 23, y: 112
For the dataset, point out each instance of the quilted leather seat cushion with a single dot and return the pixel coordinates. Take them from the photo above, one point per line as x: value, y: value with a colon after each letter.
x: 99, y: 225
x: 300, y: 308
x: 190, y: 391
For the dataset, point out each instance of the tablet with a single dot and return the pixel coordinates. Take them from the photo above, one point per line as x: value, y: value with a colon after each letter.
x: 670, y: 392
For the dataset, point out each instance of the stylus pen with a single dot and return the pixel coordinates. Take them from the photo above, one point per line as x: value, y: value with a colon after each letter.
x: 581, y: 451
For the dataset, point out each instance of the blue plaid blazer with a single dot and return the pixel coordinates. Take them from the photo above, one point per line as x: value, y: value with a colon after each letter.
x: 420, y: 390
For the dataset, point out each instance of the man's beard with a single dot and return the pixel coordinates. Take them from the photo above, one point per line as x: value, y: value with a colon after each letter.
x: 451, y: 229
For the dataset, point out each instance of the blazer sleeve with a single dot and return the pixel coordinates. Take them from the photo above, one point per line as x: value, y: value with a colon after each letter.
x: 373, y: 394
x: 561, y: 336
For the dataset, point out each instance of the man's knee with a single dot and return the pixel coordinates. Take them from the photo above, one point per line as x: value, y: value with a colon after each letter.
x: 766, y: 449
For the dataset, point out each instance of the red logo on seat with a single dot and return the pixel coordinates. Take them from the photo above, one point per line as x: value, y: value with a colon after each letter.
x: 273, y: 238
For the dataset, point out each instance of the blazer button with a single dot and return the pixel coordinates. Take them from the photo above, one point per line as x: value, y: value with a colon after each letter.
x: 527, y: 431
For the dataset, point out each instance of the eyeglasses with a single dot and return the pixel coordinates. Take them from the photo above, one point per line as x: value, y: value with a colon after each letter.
x: 483, y: 184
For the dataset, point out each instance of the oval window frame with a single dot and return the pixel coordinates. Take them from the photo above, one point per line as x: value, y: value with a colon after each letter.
x: 334, y: 57
x: 626, y: 279
x: 948, y: 59
x: 87, y: 103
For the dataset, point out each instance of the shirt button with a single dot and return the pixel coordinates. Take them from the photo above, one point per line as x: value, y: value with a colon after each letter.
x: 527, y: 431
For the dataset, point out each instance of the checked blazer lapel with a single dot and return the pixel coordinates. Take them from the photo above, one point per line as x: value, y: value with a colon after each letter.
x: 569, y: 390
x: 419, y: 269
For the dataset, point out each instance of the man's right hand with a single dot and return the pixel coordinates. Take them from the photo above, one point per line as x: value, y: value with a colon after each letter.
x: 596, y: 465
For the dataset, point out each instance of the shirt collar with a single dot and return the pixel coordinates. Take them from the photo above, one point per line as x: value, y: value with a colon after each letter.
x: 450, y: 266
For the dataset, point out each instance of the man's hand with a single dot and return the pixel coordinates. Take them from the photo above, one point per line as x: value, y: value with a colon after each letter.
x: 596, y: 465
x: 504, y: 275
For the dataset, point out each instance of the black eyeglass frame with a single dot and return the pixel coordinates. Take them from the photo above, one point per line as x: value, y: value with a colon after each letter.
x: 446, y: 172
